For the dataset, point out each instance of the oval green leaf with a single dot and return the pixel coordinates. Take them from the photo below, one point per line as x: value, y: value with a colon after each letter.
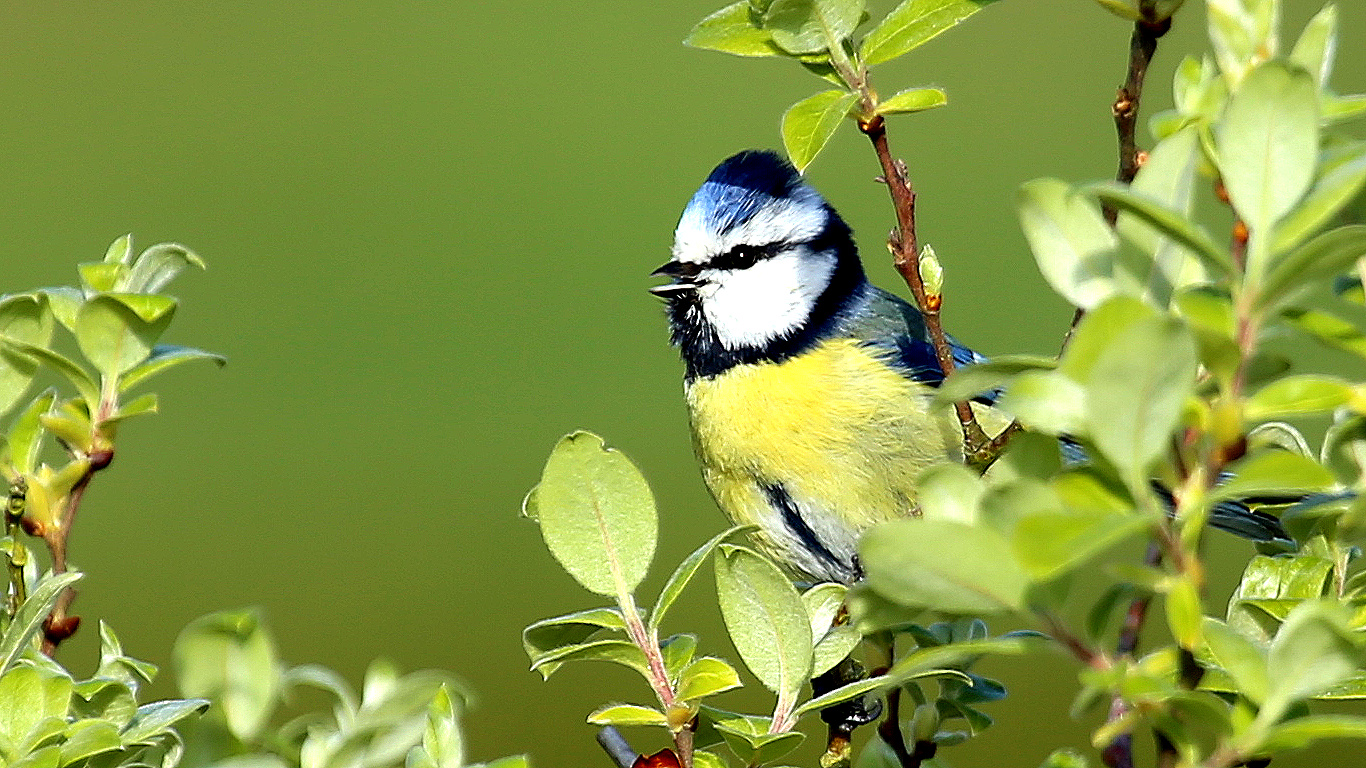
x: 597, y: 515
x: 912, y: 24
x: 765, y: 617
x: 809, y: 124
x: 943, y: 565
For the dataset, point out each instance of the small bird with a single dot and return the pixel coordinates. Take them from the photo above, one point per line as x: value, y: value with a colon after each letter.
x: 810, y: 391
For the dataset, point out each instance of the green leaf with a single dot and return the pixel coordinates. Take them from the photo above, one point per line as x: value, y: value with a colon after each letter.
x: 324, y: 679
x: 87, y: 738
x: 943, y: 565
x: 1051, y: 543
x: 24, y: 318
x: 949, y: 492
x: 157, y: 266
x: 1328, y: 255
x: 25, y: 433
x: 749, y: 738
x: 1298, y: 395
x: 809, y: 124
x: 812, y: 26
x: 684, y: 573
x: 65, y: 302
x: 120, y: 251
x: 29, y: 695
x: 1122, y: 8
x: 1268, y: 144
x: 1303, y: 731
x: 854, y: 690
x: 706, y: 676
x: 117, y: 331
x: 1165, y: 221
x: 1185, y: 612
x: 1098, y: 332
x: 104, y: 699
x: 229, y: 657
x: 1167, y: 177
x: 165, y: 356
x: 677, y: 652
x: 1047, y: 402
x: 139, y: 406
x: 1315, y: 49
x: 1327, y: 329
x: 912, y: 100
x: 622, y: 652
x: 102, y: 276
x: 1314, y: 650
x: 1330, y: 194
x: 596, y: 514
x: 1273, y: 473
x: 912, y: 24
x: 442, y: 742
x: 628, y: 714
x: 765, y: 618
x: 570, y: 629
x: 1136, y: 392
x: 1239, y: 657
x: 1074, y: 247
x: 972, y: 380
x: 732, y: 30
x: 30, y: 616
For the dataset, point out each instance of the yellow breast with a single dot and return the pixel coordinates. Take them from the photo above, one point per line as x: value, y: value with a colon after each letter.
x: 844, y: 433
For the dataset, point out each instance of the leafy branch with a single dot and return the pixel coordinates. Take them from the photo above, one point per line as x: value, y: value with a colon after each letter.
x: 116, y: 317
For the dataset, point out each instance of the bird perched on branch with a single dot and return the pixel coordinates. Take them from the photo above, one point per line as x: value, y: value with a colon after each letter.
x: 811, y: 391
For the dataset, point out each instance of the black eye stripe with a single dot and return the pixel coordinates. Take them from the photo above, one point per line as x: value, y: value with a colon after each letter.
x: 745, y: 255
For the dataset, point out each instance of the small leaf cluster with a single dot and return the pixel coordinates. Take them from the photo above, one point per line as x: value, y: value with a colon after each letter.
x: 598, y: 519
x: 228, y: 659
x: 115, y: 318
x: 49, y: 719
x: 821, y: 36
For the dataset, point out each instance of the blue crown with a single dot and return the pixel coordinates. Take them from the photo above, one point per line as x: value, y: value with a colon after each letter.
x: 742, y: 185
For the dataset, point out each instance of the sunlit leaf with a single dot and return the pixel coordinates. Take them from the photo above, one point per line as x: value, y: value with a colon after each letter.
x: 597, y: 514
x: 809, y: 124
x: 912, y: 100
x: 912, y: 24
x: 1072, y: 244
x: 765, y: 617
x: 732, y: 30
x: 943, y: 565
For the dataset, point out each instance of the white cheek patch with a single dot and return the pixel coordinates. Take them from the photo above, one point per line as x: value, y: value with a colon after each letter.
x: 751, y: 307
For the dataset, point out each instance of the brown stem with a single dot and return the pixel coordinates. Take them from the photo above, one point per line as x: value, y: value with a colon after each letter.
x: 1119, y: 753
x: 1078, y: 647
x: 906, y: 257
x: 59, y: 626
x: 1142, y: 46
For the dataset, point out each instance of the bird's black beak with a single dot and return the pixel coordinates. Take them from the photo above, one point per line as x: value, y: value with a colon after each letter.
x: 682, y: 272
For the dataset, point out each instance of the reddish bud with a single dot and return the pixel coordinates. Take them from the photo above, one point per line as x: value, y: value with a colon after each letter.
x: 664, y: 758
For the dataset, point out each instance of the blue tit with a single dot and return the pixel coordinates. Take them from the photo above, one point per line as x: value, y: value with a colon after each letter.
x: 810, y: 391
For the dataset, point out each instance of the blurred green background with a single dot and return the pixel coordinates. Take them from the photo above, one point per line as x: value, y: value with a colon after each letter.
x: 428, y: 228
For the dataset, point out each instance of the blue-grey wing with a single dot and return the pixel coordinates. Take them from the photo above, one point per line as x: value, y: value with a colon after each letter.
x: 885, y: 320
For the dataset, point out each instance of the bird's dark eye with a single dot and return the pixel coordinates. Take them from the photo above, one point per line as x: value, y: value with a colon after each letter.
x: 744, y: 256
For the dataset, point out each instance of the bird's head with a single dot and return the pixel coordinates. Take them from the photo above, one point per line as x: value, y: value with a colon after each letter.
x: 759, y: 260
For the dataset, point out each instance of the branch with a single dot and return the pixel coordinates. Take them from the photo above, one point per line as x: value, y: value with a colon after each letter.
x: 1142, y: 45
x: 906, y: 257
